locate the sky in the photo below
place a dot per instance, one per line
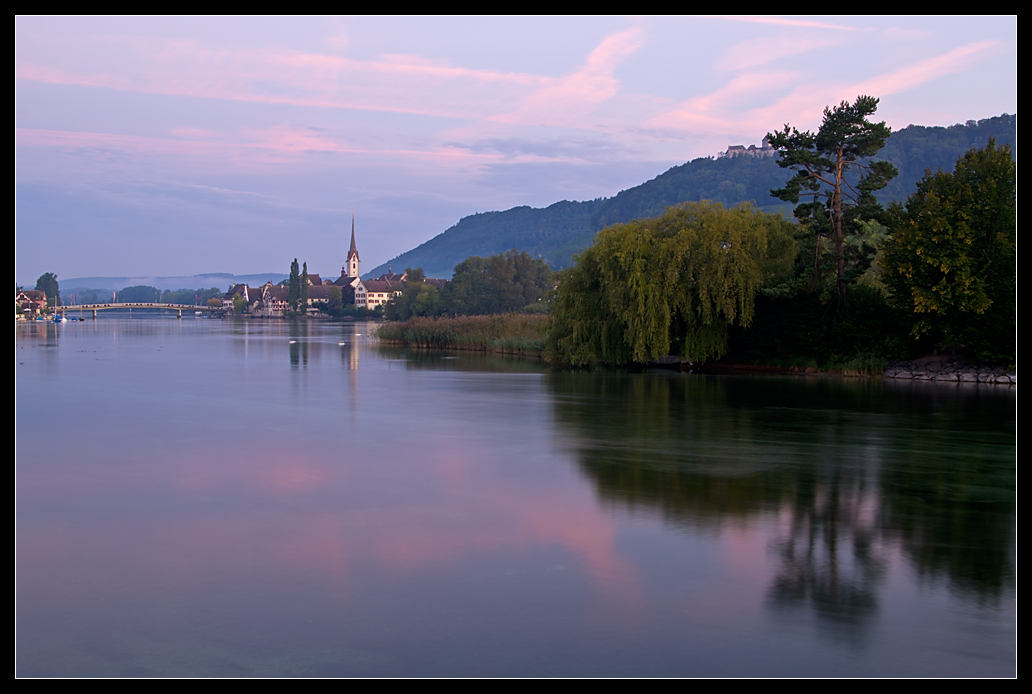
(175, 146)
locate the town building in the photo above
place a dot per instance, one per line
(31, 302)
(272, 301)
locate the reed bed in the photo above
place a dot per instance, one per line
(520, 334)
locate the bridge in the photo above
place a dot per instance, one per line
(178, 308)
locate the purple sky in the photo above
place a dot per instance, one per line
(177, 146)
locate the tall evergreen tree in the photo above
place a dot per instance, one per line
(831, 169)
(294, 293)
(303, 298)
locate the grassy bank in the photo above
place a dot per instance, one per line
(521, 334)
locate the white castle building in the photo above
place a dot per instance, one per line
(764, 150)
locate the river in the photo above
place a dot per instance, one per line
(242, 498)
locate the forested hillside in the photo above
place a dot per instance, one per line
(558, 231)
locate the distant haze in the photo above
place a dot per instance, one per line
(217, 279)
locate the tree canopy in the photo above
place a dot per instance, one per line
(833, 169)
(951, 258)
(139, 293)
(47, 282)
(668, 285)
(501, 283)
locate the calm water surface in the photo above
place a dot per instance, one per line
(224, 498)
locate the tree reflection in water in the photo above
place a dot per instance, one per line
(843, 472)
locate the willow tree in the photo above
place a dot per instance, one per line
(668, 285)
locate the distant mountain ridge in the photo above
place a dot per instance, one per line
(562, 229)
(208, 279)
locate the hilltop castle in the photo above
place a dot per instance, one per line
(764, 150)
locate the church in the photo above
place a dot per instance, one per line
(368, 293)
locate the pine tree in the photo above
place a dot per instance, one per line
(830, 169)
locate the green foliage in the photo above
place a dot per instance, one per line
(479, 286)
(187, 296)
(824, 163)
(303, 294)
(239, 304)
(801, 330)
(668, 285)
(294, 295)
(951, 259)
(509, 334)
(916, 149)
(138, 294)
(335, 301)
(47, 282)
(501, 283)
(417, 299)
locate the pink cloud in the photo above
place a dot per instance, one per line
(803, 105)
(566, 100)
(760, 51)
(413, 85)
(397, 83)
(923, 71)
(715, 112)
(786, 21)
(249, 146)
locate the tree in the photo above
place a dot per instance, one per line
(138, 294)
(335, 302)
(668, 285)
(501, 283)
(47, 282)
(417, 299)
(294, 295)
(831, 170)
(951, 258)
(303, 298)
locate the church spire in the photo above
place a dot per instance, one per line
(354, 248)
(351, 266)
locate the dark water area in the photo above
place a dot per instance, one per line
(219, 498)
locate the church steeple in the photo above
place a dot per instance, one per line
(351, 268)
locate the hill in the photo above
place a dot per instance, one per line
(558, 231)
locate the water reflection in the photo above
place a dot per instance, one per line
(239, 497)
(839, 472)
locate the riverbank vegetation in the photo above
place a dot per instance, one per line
(705, 283)
(670, 285)
(515, 333)
(502, 283)
(848, 287)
